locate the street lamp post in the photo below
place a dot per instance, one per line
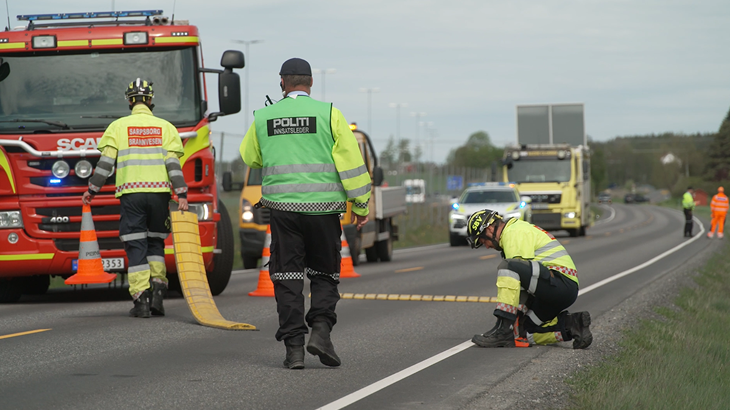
(246, 43)
(397, 107)
(370, 91)
(323, 71)
(418, 116)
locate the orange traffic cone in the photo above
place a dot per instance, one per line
(346, 268)
(266, 286)
(90, 269)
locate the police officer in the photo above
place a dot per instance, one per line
(311, 166)
(146, 150)
(688, 205)
(536, 283)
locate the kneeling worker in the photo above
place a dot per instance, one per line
(538, 268)
(146, 150)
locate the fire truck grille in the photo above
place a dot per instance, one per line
(72, 245)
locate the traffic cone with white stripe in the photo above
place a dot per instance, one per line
(265, 286)
(90, 268)
(347, 270)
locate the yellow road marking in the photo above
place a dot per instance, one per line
(30, 332)
(487, 257)
(409, 269)
(589, 237)
(417, 298)
(565, 242)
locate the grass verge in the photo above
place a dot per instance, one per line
(679, 361)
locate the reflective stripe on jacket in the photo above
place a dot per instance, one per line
(310, 158)
(526, 241)
(719, 203)
(142, 141)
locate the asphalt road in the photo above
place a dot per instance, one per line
(396, 354)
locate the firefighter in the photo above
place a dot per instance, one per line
(719, 207)
(312, 167)
(688, 205)
(146, 150)
(536, 283)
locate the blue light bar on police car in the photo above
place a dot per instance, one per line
(90, 15)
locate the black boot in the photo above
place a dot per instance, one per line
(578, 325)
(159, 291)
(321, 345)
(141, 305)
(501, 335)
(294, 357)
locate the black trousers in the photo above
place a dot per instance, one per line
(688, 222)
(553, 294)
(302, 245)
(143, 227)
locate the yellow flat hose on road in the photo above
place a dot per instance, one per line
(191, 271)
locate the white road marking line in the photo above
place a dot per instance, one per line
(610, 218)
(381, 384)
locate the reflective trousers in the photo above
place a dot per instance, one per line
(718, 222)
(546, 294)
(143, 227)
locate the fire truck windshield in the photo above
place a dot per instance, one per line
(86, 91)
(540, 170)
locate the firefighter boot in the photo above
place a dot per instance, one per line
(159, 291)
(294, 357)
(141, 305)
(320, 344)
(578, 325)
(501, 335)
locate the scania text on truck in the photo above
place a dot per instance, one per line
(62, 82)
(376, 237)
(551, 164)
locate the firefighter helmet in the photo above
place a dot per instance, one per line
(139, 88)
(477, 224)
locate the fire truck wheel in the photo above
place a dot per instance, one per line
(10, 291)
(35, 285)
(222, 262)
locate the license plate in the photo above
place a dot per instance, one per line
(109, 264)
(539, 206)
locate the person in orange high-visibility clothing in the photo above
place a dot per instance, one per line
(719, 207)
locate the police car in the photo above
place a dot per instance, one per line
(498, 196)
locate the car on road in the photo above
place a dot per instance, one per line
(604, 198)
(498, 196)
(635, 198)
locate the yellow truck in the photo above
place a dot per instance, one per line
(375, 238)
(551, 164)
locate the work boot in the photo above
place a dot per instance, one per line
(578, 325)
(720, 235)
(501, 335)
(141, 305)
(294, 357)
(711, 234)
(321, 345)
(159, 291)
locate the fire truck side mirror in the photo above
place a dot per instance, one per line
(4, 70)
(232, 59)
(229, 92)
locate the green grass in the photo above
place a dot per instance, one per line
(423, 225)
(677, 362)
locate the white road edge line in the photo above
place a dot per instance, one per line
(610, 218)
(381, 384)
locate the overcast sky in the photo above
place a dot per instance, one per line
(640, 67)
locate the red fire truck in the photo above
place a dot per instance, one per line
(62, 82)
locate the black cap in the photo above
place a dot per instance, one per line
(295, 66)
